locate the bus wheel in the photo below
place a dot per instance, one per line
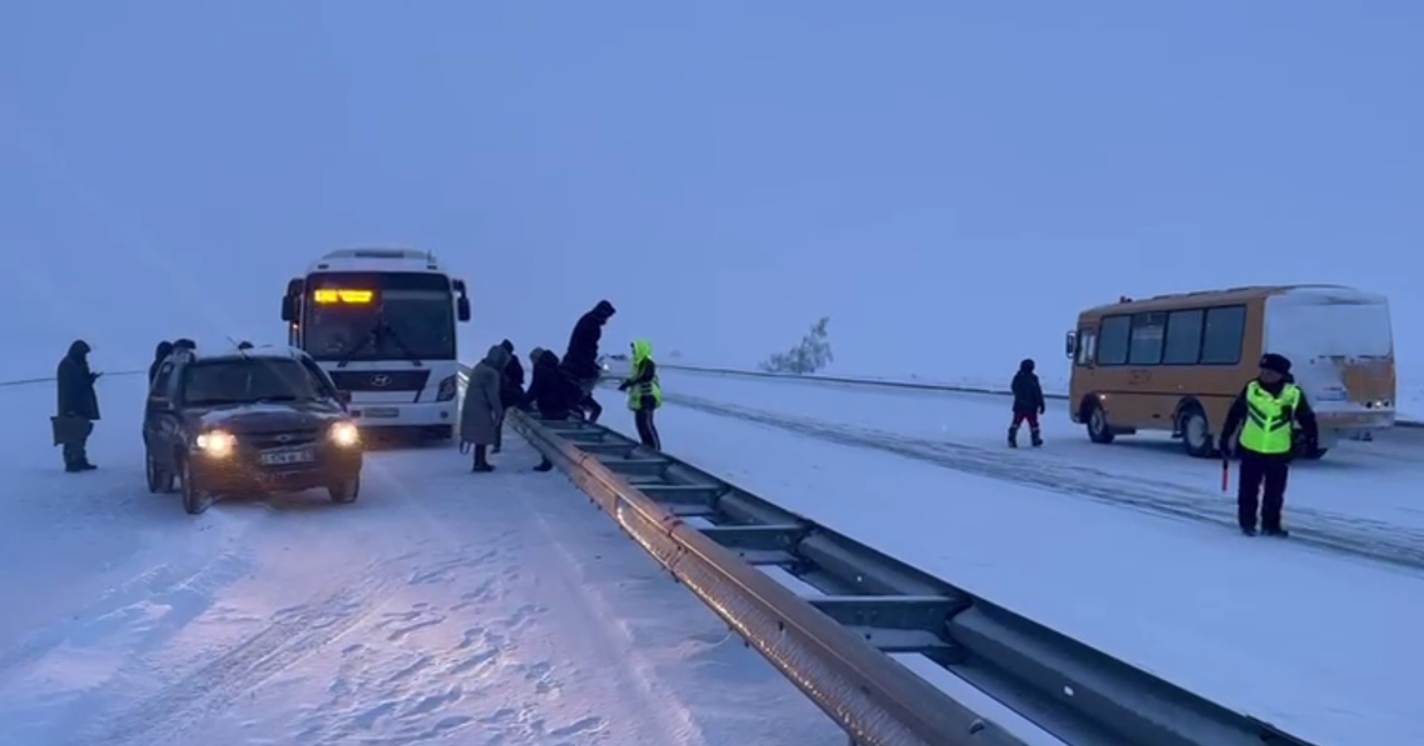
(1098, 430)
(1196, 433)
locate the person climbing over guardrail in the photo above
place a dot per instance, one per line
(511, 391)
(581, 359)
(552, 392)
(1028, 404)
(645, 393)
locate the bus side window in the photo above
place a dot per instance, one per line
(1184, 337)
(1087, 346)
(1113, 335)
(1148, 331)
(1224, 335)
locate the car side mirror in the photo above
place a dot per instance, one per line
(343, 396)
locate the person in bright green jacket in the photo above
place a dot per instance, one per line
(645, 393)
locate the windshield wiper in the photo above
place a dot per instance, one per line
(366, 341)
(400, 343)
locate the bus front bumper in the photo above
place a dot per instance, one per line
(415, 414)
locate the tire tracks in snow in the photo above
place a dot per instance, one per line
(186, 584)
(293, 633)
(1357, 537)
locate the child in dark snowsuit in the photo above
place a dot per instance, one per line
(1028, 404)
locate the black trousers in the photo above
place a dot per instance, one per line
(647, 428)
(1264, 475)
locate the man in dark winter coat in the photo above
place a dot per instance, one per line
(1265, 413)
(1028, 404)
(552, 392)
(165, 348)
(78, 406)
(581, 360)
(511, 391)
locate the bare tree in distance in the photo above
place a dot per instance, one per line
(810, 356)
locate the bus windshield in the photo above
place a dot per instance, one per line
(379, 316)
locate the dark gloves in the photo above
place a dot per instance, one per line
(1043, 409)
(625, 385)
(94, 377)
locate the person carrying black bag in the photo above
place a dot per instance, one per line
(77, 407)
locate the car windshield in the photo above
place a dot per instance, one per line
(248, 381)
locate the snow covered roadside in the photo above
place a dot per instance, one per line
(481, 609)
(1409, 407)
(1241, 621)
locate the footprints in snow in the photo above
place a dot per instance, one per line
(411, 681)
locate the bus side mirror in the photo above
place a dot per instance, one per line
(462, 308)
(289, 312)
(1070, 344)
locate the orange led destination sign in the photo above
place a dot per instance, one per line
(332, 295)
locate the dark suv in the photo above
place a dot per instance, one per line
(255, 420)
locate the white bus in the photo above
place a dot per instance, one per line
(382, 323)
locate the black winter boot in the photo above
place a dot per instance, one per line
(482, 463)
(544, 465)
(1013, 437)
(1037, 437)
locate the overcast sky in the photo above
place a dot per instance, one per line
(950, 181)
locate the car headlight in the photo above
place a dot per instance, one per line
(447, 389)
(345, 434)
(216, 443)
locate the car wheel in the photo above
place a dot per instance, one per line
(1196, 432)
(152, 472)
(346, 490)
(195, 499)
(1098, 430)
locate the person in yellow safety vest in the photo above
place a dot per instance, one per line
(1266, 412)
(645, 393)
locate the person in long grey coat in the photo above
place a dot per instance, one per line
(482, 413)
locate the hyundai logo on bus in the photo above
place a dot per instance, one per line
(381, 381)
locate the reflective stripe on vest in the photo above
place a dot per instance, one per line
(1268, 419)
(637, 391)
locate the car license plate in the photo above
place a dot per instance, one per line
(282, 458)
(381, 412)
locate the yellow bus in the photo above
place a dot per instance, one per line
(1174, 363)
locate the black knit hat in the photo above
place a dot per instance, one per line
(1276, 363)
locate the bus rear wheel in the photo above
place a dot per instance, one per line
(1196, 431)
(1097, 419)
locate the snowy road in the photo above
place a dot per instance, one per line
(1356, 501)
(442, 606)
(1321, 644)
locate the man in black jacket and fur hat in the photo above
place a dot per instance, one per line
(581, 360)
(77, 406)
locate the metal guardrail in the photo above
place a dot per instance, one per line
(835, 647)
(894, 384)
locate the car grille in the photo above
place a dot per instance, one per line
(286, 439)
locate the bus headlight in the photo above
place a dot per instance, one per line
(447, 389)
(216, 443)
(345, 434)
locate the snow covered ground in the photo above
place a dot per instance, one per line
(1352, 499)
(1410, 390)
(1320, 643)
(441, 607)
